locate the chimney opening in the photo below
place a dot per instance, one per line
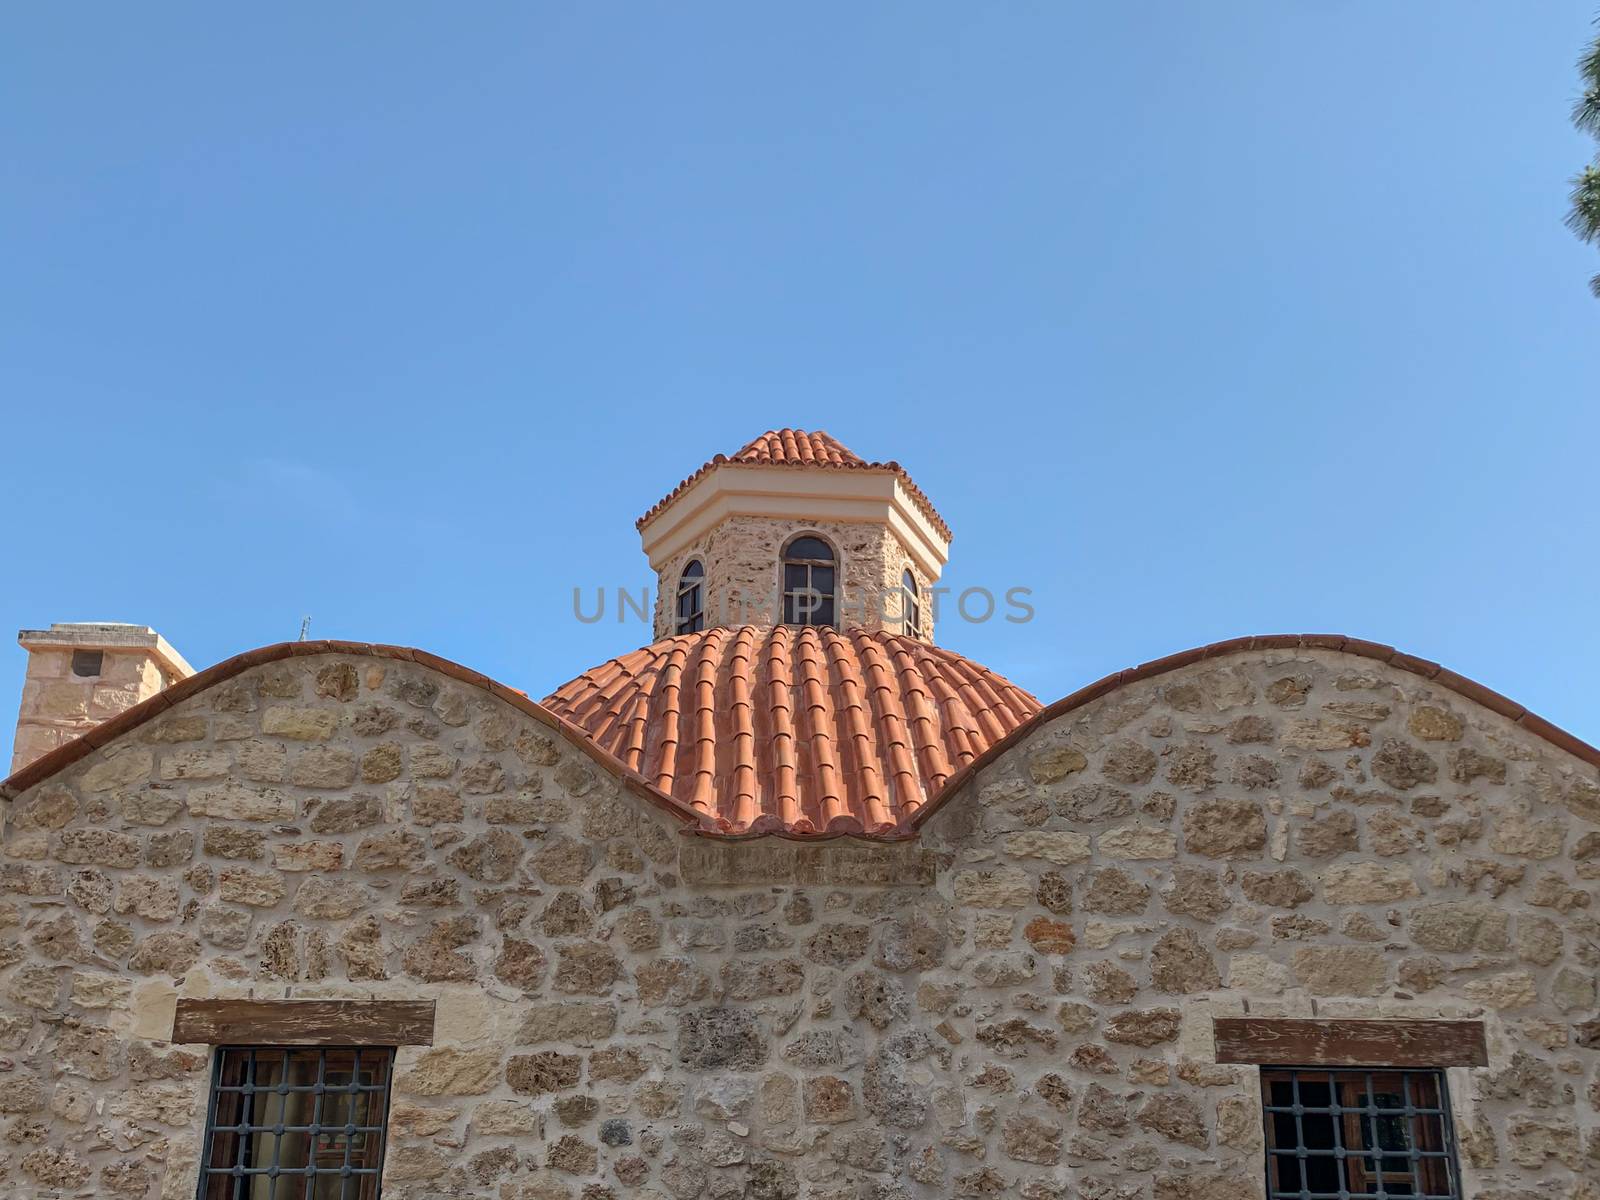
(87, 662)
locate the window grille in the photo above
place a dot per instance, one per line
(808, 582)
(296, 1124)
(691, 615)
(1342, 1135)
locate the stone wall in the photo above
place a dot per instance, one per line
(741, 556)
(1017, 1004)
(1284, 834)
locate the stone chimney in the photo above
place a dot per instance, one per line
(80, 674)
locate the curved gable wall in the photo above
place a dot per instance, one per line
(1288, 832)
(1016, 1003)
(1441, 677)
(108, 732)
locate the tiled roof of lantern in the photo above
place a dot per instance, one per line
(797, 446)
(800, 731)
(806, 449)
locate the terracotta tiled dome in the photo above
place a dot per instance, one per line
(803, 730)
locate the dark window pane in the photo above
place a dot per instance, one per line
(689, 618)
(808, 584)
(809, 547)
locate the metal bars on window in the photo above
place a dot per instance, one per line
(296, 1124)
(1353, 1134)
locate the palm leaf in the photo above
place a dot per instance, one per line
(1589, 64)
(1586, 111)
(1584, 218)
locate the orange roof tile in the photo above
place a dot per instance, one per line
(794, 730)
(801, 448)
(786, 446)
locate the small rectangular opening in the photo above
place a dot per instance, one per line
(87, 662)
(1343, 1135)
(292, 1123)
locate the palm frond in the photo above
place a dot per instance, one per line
(1589, 64)
(1586, 110)
(1584, 218)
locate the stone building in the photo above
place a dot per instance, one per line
(803, 907)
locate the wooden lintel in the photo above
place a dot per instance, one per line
(1289, 1042)
(304, 1022)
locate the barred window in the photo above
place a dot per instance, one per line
(1338, 1135)
(300, 1123)
(691, 613)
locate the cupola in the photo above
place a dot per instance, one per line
(794, 529)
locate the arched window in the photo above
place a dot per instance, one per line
(808, 582)
(910, 606)
(691, 613)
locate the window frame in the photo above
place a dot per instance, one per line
(824, 612)
(240, 1177)
(910, 604)
(1355, 1165)
(1388, 1045)
(690, 585)
(290, 1025)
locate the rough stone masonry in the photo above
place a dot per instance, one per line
(1017, 1003)
(742, 556)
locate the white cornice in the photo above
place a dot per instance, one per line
(784, 493)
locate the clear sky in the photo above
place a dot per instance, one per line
(1199, 320)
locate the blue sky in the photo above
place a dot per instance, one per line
(1197, 319)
